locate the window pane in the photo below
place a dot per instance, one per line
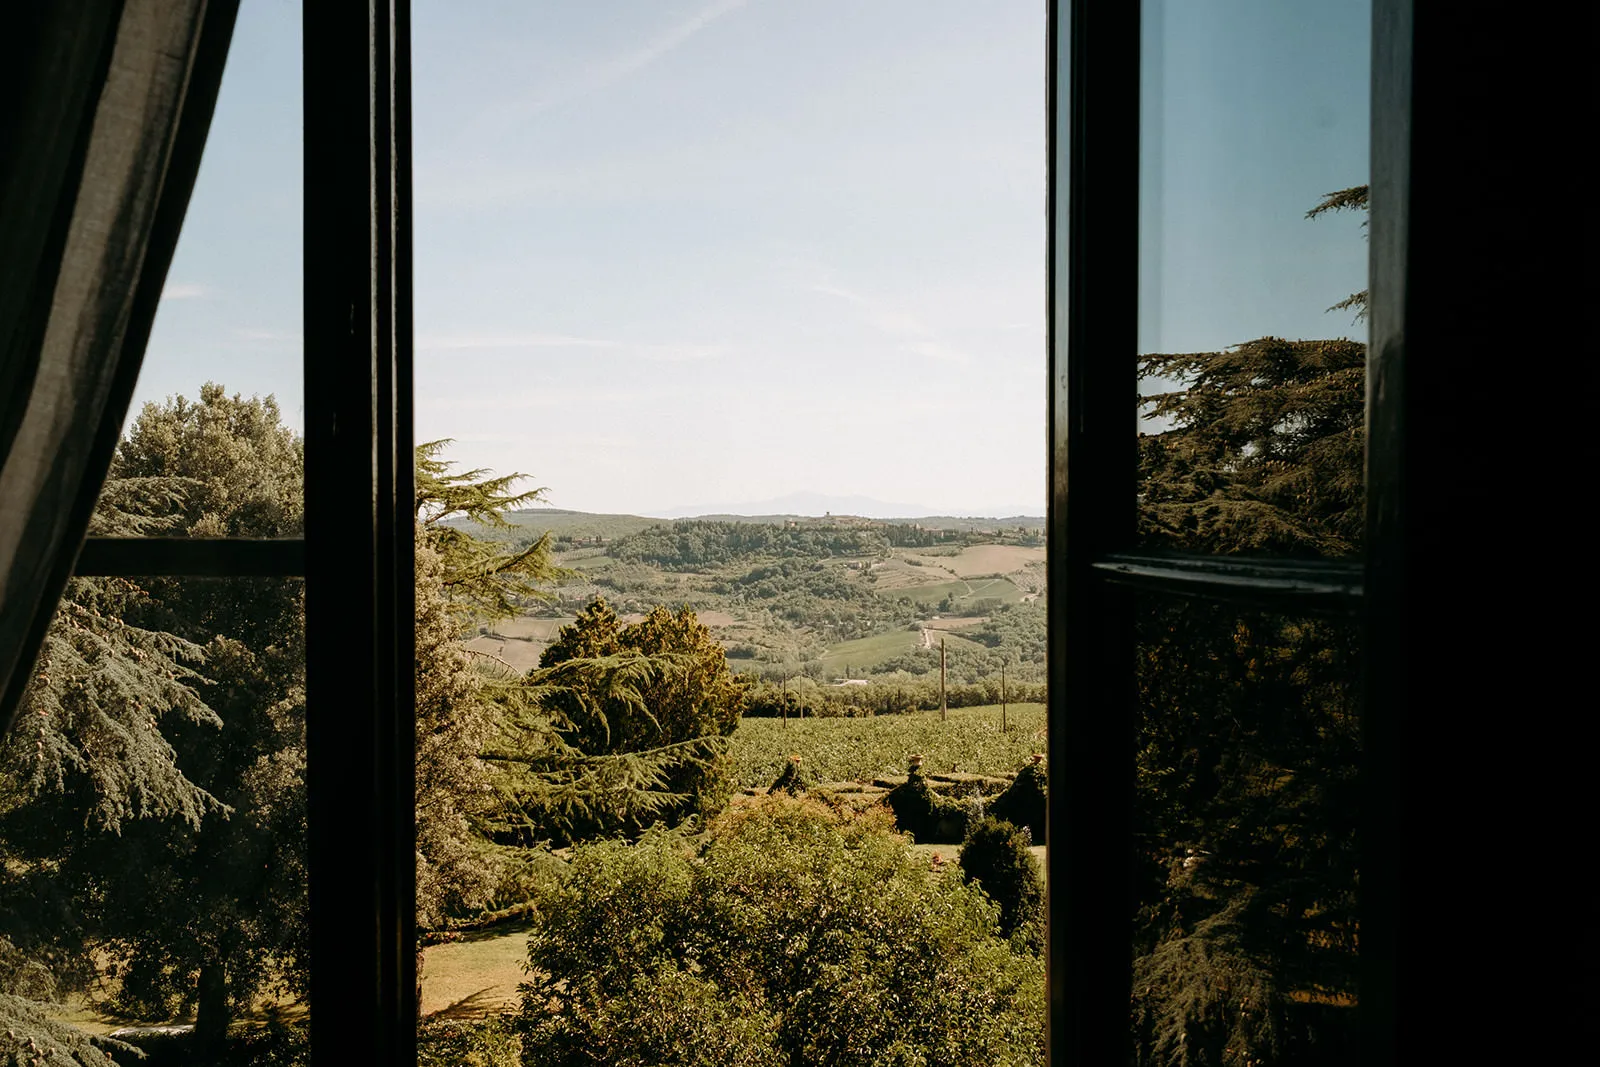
(1247, 753)
(152, 825)
(1252, 280)
(229, 320)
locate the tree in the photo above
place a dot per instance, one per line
(168, 766)
(793, 934)
(653, 702)
(461, 708)
(478, 577)
(1266, 445)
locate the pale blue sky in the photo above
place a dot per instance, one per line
(704, 251)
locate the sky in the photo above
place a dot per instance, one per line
(700, 252)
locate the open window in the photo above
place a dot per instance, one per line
(1380, 649)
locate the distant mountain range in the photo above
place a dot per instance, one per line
(818, 504)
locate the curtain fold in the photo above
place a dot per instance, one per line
(110, 104)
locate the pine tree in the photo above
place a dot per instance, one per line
(160, 814)
(635, 723)
(479, 577)
(461, 697)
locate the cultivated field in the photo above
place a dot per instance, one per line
(867, 652)
(517, 642)
(978, 560)
(839, 750)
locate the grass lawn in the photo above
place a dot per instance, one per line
(850, 749)
(475, 976)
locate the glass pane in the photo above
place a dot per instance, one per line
(152, 827)
(229, 321)
(756, 290)
(1245, 817)
(1252, 280)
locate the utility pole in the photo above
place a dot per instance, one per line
(1002, 697)
(942, 709)
(785, 702)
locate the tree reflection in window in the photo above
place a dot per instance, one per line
(1263, 454)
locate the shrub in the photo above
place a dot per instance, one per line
(1023, 803)
(928, 817)
(996, 858)
(791, 779)
(490, 1042)
(795, 935)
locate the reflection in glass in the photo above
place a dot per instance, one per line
(1253, 133)
(152, 822)
(1248, 742)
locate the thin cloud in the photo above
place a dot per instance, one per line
(914, 335)
(184, 291)
(608, 72)
(659, 352)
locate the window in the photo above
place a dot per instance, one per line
(1454, 300)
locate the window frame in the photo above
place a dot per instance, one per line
(1094, 562)
(358, 553)
(1431, 99)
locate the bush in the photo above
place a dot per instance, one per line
(928, 817)
(490, 1042)
(996, 858)
(1023, 802)
(791, 779)
(794, 935)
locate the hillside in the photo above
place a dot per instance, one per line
(830, 597)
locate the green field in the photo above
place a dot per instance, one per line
(836, 750)
(1001, 589)
(867, 652)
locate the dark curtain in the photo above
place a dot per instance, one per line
(107, 108)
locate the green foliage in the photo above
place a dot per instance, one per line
(827, 598)
(478, 575)
(155, 814)
(791, 780)
(1024, 801)
(793, 935)
(1204, 998)
(236, 467)
(456, 723)
(490, 1042)
(653, 701)
(924, 814)
(1247, 731)
(995, 856)
(30, 1038)
(844, 750)
(694, 543)
(1266, 451)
